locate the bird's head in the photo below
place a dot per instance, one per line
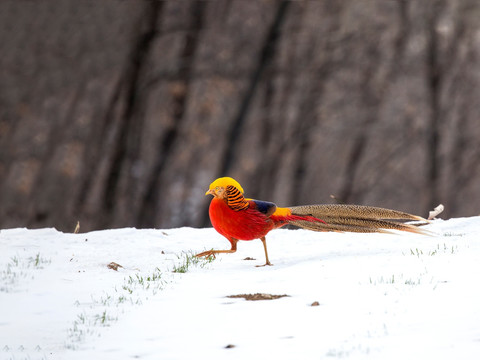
(217, 188)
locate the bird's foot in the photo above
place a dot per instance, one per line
(267, 263)
(207, 254)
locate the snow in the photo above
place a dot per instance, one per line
(380, 296)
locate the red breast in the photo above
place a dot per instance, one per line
(245, 224)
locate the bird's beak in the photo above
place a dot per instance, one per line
(209, 192)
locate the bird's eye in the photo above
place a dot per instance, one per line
(217, 188)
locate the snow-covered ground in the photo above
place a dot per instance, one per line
(402, 296)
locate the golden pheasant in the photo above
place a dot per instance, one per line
(238, 218)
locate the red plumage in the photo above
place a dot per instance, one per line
(247, 224)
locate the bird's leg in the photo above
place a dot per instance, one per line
(212, 252)
(267, 262)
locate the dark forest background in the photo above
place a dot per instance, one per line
(120, 113)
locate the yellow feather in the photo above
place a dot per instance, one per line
(282, 212)
(224, 182)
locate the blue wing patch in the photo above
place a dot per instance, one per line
(268, 208)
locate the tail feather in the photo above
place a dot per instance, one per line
(354, 218)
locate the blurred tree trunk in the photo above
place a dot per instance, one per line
(120, 113)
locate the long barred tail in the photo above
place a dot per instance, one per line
(352, 218)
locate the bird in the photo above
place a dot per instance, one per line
(239, 218)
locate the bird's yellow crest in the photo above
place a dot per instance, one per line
(224, 182)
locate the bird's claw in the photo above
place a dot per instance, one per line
(267, 263)
(208, 254)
